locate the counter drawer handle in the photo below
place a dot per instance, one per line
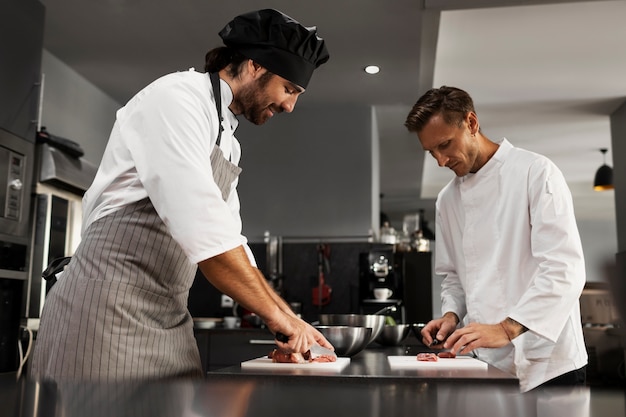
(262, 342)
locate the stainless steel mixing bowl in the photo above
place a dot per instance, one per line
(392, 335)
(347, 340)
(375, 322)
(417, 330)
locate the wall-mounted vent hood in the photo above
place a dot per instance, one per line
(61, 170)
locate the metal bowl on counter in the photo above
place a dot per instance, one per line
(392, 335)
(347, 340)
(417, 330)
(374, 322)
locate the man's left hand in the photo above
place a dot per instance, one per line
(476, 335)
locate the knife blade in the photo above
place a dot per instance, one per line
(316, 350)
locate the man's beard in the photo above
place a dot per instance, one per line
(254, 102)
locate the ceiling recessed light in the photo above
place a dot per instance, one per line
(372, 69)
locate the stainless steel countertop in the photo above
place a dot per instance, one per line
(303, 397)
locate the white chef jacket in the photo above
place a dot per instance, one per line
(508, 245)
(160, 147)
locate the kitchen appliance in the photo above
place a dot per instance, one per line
(10, 299)
(61, 179)
(603, 333)
(596, 305)
(378, 269)
(16, 161)
(21, 42)
(407, 274)
(417, 285)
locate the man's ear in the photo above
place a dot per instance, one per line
(255, 69)
(472, 123)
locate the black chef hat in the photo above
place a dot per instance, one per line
(277, 42)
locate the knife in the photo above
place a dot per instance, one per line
(316, 350)
(434, 342)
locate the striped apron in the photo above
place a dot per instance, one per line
(119, 311)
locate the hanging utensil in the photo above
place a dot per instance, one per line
(321, 293)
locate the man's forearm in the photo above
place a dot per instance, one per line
(512, 328)
(275, 296)
(232, 273)
(449, 315)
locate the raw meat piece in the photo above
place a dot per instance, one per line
(427, 357)
(446, 355)
(324, 358)
(279, 356)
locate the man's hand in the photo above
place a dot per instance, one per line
(232, 274)
(436, 331)
(301, 335)
(476, 335)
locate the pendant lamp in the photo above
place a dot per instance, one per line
(604, 176)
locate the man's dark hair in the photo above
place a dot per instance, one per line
(219, 58)
(451, 102)
(225, 57)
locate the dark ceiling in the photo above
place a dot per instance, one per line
(122, 45)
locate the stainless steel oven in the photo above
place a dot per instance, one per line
(57, 220)
(61, 180)
(16, 155)
(16, 164)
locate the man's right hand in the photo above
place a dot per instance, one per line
(301, 335)
(438, 330)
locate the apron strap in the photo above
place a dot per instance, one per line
(56, 266)
(215, 83)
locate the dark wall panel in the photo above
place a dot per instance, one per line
(21, 46)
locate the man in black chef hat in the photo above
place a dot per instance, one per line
(265, 44)
(164, 203)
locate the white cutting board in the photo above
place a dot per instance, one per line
(411, 362)
(267, 364)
